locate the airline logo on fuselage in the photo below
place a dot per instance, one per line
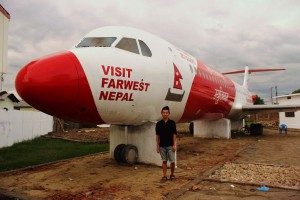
(176, 94)
(220, 96)
(119, 78)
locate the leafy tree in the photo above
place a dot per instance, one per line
(296, 91)
(258, 100)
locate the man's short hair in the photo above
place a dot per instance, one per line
(165, 108)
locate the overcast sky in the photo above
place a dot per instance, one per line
(226, 35)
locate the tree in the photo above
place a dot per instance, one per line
(296, 91)
(258, 100)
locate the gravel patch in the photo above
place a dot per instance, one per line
(260, 174)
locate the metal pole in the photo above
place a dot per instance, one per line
(271, 95)
(276, 94)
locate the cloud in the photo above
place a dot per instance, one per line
(226, 35)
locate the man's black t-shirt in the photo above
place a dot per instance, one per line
(165, 132)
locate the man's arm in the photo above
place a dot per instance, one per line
(157, 143)
(174, 142)
(174, 137)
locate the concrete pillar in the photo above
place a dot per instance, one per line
(143, 137)
(237, 124)
(220, 128)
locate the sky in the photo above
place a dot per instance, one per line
(225, 34)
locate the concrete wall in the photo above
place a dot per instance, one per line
(220, 128)
(17, 126)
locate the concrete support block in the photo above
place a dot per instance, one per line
(220, 128)
(237, 124)
(143, 137)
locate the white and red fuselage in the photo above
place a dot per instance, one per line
(121, 75)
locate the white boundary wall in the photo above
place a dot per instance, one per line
(17, 126)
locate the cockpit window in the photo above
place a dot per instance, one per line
(97, 42)
(145, 49)
(128, 44)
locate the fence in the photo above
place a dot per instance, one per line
(17, 126)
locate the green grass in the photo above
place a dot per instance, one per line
(44, 150)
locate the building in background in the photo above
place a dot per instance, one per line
(18, 120)
(7, 101)
(291, 119)
(4, 20)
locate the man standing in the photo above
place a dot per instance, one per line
(166, 142)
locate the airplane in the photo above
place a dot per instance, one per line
(124, 76)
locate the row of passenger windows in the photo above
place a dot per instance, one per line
(127, 44)
(212, 78)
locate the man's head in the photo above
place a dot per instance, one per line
(165, 112)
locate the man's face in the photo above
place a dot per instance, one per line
(165, 114)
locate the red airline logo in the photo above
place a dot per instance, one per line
(172, 94)
(177, 77)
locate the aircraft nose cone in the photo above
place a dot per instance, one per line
(48, 82)
(57, 85)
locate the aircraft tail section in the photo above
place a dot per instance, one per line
(246, 77)
(248, 71)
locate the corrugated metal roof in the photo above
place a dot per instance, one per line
(17, 103)
(287, 95)
(21, 104)
(5, 13)
(11, 96)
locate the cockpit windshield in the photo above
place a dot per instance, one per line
(130, 44)
(96, 42)
(127, 44)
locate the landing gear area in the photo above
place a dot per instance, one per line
(245, 130)
(132, 144)
(126, 154)
(191, 128)
(254, 129)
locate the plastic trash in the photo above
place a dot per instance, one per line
(263, 188)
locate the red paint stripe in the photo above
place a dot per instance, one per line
(201, 101)
(5, 13)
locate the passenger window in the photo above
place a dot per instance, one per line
(128, 44)
(97, 42)
(145, 49)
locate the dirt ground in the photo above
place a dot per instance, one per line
(205, 170)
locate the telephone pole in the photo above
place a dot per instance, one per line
(276, 94)
(1, 80)
(271, 95)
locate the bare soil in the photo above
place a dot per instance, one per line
(200, 165)
(83, 135)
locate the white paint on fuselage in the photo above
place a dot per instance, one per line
(242, 97)
(137, 105)
(157, 71)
